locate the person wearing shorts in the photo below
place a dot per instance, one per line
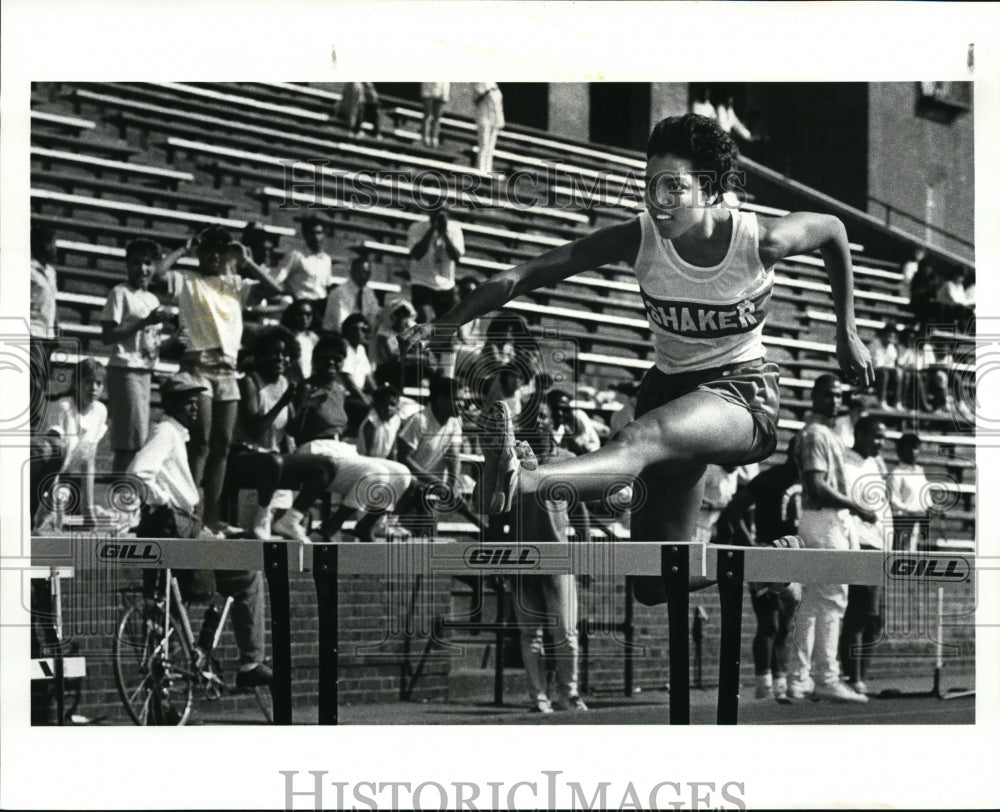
(436, 245)
(130, 322)
(435, 97)
(211, 302)
(705, 272)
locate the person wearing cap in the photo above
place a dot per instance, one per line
(131, 323)
(169, 510)
(211, 301)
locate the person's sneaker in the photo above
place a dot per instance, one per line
(496, 487)
(838, 692)
(800, 690)
(208, 533)
(542, 705)
(262, 523)
(254, 678)
(860, 687)
(781, 690)
(289, 526)
(764, 686)
(573, 703)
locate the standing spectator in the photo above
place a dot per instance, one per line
(358, 104)
(308, 274)
(907, 489)
(436, 245)
(885, 357)
(909, 270)
(435, 97)
(825, 524)
(130, 321)
(42, 315)
(923, 292)
(702, 104)
(299, 318)
(731, 124)
(380, 429)
(80, 420)
(352, 296)
(910, 383)
(263, 247)
(169, 511)
(429, 445)
(211, 302)
(368, 483)
(934, 359)
(261, 456)
(775, 497)
(489, 121)
(865, 473)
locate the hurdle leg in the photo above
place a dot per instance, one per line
(276, 571)
(674, 568)
(325, 573)
(730, 577)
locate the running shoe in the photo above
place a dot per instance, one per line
(542, 705)
(289, 526)
(262, 523)
(838, 692)
(498, 484)
(781, 690)
(573, 703)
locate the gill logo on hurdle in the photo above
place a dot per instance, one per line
(905, 567)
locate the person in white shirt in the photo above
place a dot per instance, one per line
(377, 437)
(885, 356)
(909, 496)
(352, 296)
(489, 121)
(80, 421)
(131, 322)
(865, 475)
(730, 122)
(308, 274)
(572, 429)
(299, 318)
(169, 506)
(702, 104)
(435, 97)
(436, 245)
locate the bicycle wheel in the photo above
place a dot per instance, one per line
(154, 679)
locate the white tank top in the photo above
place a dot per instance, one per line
(704, 317)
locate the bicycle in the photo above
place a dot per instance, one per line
(158, 661)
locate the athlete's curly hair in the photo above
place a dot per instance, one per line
(702, 141)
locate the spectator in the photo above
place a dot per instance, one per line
(909, 271)
(263, 247)
(572, 429)
(436, 246)
(211, 302)
(775, 499)
(358, 104)
(509, 385)
(396, 316)
(953, 305)
(435, 97)
(910, 383)
(131, 321)
(884, 352)
(429, 446)
(720, 487)
(923, 292)
(907, 495)
(42, 317)
(319, 426)
(308, 274)
(489, 122)
(352, 296)
(169, 511)
(79, 421)
(358, 369)
(731, 124)
(865, 476)
(825, 523)
(934, 359)
(380, 429)
(299, 318)
(702, 104)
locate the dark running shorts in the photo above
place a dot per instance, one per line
(752, 385)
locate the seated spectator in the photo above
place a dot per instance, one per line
(883, 349)
(429, 445)
(365, 483)
(909, 270)
(435, 97)
(350, 297)
(358, 104)
(377, 437)
(935, 360)
(169, 511)
(299, 318)
(436, 246)
(260, 457)
(358, 369)
(572, 429)
(80, 420)
(308, 274)
(953, 306)
(131, 322)
(908, 496)
(923, 292)
(396, 316)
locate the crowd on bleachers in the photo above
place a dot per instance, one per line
(302, 385)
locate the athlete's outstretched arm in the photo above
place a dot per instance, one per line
(617, 243)
(802, 232)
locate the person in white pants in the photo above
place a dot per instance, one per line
(825, 524)
(489, 121)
